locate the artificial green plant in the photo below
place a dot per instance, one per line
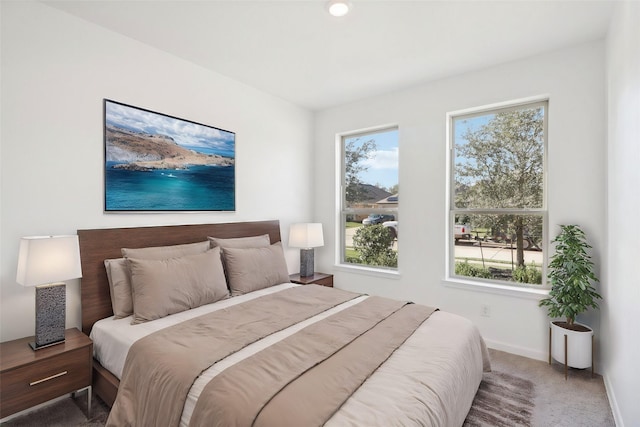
(571, 274)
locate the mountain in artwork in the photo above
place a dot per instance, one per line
(140, 151)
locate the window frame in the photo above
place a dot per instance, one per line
(342, 211)
(451, 210)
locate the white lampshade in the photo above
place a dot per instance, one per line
(306, 235)
(48, 259)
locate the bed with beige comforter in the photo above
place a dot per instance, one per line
(299, 356)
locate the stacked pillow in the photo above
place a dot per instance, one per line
(120, 279)
(154, 282)
(252, 263)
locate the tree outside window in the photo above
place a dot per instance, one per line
(497, 194)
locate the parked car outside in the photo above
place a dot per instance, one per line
(377, 219)
(392, 226)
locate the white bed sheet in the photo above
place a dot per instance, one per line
(445, 358)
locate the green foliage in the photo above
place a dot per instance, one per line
(500, 165)
(571, 273)
(470, 270)
(374, 246)
(355, 153)
(504, 167)
(528, 274)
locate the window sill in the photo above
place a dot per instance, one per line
(493, 288)
(376, 272)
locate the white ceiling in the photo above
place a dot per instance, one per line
(295, 50)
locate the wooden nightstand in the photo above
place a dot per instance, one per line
(316, 279)
(28, 378)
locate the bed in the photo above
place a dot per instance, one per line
(407, 364)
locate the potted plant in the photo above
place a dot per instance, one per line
(571, 274)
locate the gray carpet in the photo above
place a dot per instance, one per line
(518, 392)
(549, 399)
(578, 401)
(69, 412)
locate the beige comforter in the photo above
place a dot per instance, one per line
(161, 367)
(430, 380)
(304, 379)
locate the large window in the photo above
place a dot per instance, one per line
(369, 199)
(497, 215)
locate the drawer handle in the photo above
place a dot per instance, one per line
(48, 378)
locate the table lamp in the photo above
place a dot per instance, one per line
(306, 236)
(44, 262)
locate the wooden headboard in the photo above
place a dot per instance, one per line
(100, 244)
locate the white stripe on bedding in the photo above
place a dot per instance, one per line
(112, 338)
(206, 376)
(430, 380)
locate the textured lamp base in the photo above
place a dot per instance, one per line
(50, 315)
(306, 262)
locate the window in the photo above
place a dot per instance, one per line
(497, 215)
(369, 199)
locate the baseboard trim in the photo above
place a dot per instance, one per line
(615, 410)
(520, 351)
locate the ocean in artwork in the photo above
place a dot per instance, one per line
(155, 162)
(198, 188)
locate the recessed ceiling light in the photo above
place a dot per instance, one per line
(338, 8)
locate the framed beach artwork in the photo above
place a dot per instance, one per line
(155, 162)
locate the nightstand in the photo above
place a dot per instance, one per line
(28, 377)
(316, 279)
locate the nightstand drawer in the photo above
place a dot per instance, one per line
(45, 379)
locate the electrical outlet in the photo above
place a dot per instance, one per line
(485, 310)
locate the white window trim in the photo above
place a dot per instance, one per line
(497, 288)
(340, 210)
(369, 271)
(487, 285)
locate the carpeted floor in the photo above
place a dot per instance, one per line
(518, 392)
(579, 401)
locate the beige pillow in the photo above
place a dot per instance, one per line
(166, 252)
(250, 269)
(163, 287)
(242, 242)
(119, 287)
(118, 271)
(262, 241)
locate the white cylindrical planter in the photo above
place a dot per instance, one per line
(579, 346)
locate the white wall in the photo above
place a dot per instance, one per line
(574, 81)
(56, 69)
(621, 351)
